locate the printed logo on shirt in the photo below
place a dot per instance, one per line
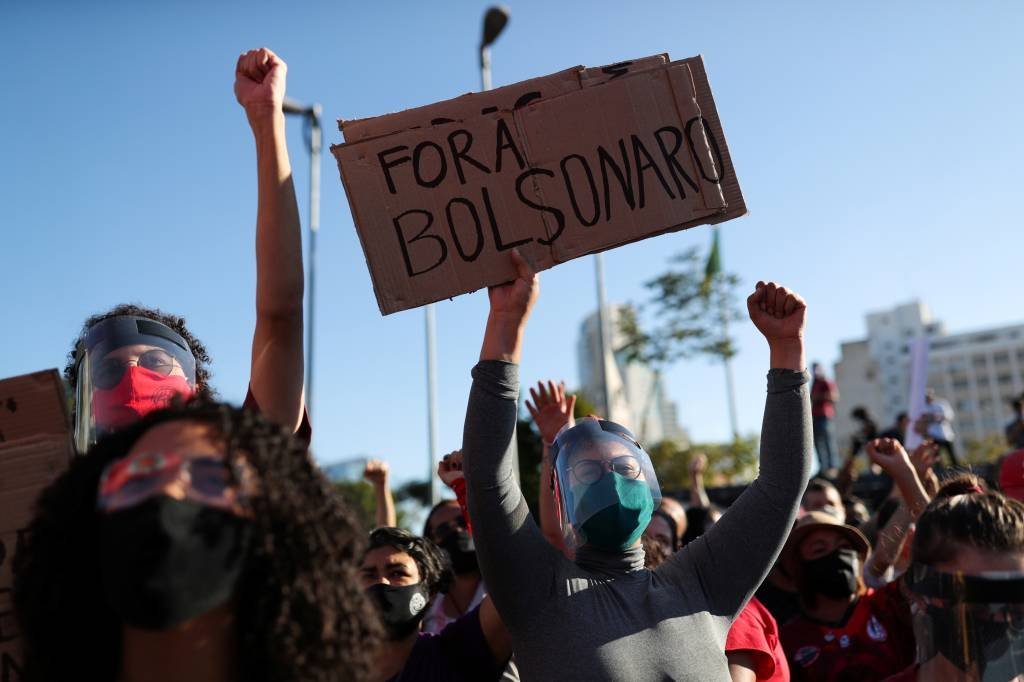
(876, 630)
(806, 655)
(417, 603)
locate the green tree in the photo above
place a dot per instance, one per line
(985, 450)
(728, 463)
(687, 314)
(363, 503)
(360, 499)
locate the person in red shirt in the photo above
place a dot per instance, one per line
(844, 631)
(753, 646)
(824, 396)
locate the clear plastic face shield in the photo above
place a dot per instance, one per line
(126, 368)
(604, 484)
(968, 627)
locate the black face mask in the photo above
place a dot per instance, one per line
(833, 575)
(985, 639)
(167, 561)
(401, 607)
(460, 547)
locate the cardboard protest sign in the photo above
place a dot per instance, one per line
(559, 167)
(35, 446)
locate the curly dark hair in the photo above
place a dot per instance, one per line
(431, 560)
(176, 323)
(300, 612)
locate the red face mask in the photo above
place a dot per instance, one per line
(139, 392)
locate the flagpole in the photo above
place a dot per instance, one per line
(711, 271)
(730, 388)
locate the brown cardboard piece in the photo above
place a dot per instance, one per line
(560, 166)
(35, 447)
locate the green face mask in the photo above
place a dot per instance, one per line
(624, 507)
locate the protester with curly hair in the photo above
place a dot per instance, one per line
(200, 543)
(403, 574)
(133, 359)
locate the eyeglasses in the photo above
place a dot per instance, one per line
(108, 372)
(591, 470)
(128, 482)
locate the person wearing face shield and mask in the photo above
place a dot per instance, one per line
(179, 548)
(132, 360)
(602, 615)
(402, 574)
(966, 586)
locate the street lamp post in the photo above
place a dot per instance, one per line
(494, 22)
(311, 113)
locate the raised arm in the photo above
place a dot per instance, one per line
(513, 555)
(891, 456)
(551, 410)
(698, 495)
(734, 556)
(376, 473)
(277, 374)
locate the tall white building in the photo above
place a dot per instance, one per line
(637, 398)
(977, 372)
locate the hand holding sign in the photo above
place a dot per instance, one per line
(260, 82)
(511, 304)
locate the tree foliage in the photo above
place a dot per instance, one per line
(686, 314)
(361, 499)
(728, 463)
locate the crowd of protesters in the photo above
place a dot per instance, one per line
(191, 540)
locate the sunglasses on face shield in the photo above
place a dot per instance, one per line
(208, 480)
(591, 470)
(107, 373)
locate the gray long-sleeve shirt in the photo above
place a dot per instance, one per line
(605, 617)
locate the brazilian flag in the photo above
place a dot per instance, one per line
(714, 264)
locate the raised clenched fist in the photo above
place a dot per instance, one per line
(777, 312)
(260, 81)
(449, 469)
(376, 472)
(890, 455)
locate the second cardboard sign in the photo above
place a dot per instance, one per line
(559, 167)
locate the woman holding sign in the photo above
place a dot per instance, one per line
(603, 616)
(132, 360)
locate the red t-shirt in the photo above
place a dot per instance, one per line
(908, 675)
(305, 431)
(755, 631)
(821, 400)
(875, 641)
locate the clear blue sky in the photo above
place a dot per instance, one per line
(878, 146)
